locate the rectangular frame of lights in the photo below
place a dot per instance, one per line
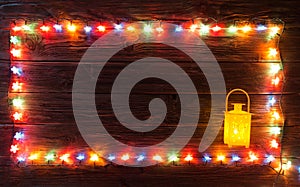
(239, 29)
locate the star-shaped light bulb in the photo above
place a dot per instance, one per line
(21, 159)
(26, 28)
(157, 158)
(188, 158)
(14, 40)
(16, 86)
(18, 103)
(147, 28)
(173, 158)
(101, 28)
(111, 157)
(232, 29)
(125, 157)
(235, 158)
(274, 144)
(50, 157)
(80, 157)
(273, 52)
(140, 158)
(275, 81)
(71, 28)
(94, 158)
(275, 115)
(16, 28)
(19, 135)
(15, 52)
(118, 27)
(275, 130)
(57, 27)
(178, 28)
(33, 156)
(275, 68)
(45, 28)
(270, 158)
(206, 158)
(159, 29)
(87, 29)
(204, 29)
(252, 157)
(246, 28)
(18, 116)
(216, 28)
(261, 28)
(193, 27)
(130, 28)
(14, 148)
(220, 157)
(16, 71)
(65, 157)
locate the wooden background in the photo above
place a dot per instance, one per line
(48, 94)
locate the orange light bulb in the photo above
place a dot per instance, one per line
(101, 28)
(16, 86)
(125, 157)
(188, 158)
(45, 28)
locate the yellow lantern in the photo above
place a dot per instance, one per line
(237, 123)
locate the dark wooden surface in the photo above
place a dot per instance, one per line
(49, 84)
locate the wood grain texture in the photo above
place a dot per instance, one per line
(49, 78)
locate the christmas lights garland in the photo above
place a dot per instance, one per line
(272, 29)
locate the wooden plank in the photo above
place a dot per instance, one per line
(152, 176)
(57, 107)
(59, 77)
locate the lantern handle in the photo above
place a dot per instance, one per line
(240, 90)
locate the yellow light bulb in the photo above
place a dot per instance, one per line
(273, 52)
(275, 68)
(246, 28)
(71, 28)
(94, 158)
(275, 115)
(274, 30)
(220, 157)
(33, 157)
(131, 28)
(193, 27)
(275, 81)
(173, 158)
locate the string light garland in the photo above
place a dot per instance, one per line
(204, 30)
